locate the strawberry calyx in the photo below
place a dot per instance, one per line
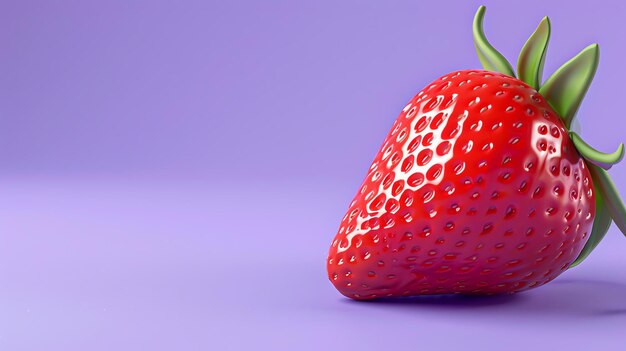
(600, 159)
(564, 90)
(533, 55)
(489, 57)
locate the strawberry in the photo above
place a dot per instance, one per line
(480, 187)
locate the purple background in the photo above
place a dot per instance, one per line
(172, 173)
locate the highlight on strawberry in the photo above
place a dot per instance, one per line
(481, 187)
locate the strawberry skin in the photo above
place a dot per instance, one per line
(477, 189)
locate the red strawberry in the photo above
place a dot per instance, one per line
(478, 187)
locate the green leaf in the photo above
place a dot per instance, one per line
(601, 224)
(594, 156)
(604, 185)
(533, 55)
(567, 87)
(489, 57)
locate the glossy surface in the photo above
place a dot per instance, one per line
(476, 189)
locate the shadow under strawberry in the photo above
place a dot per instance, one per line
(456, 300)
(564, 298)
